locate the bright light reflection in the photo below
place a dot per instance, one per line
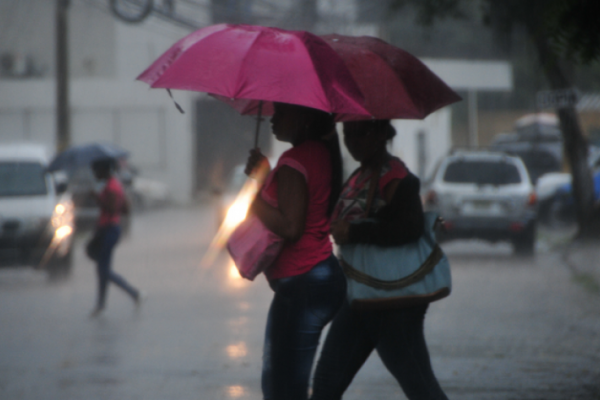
(233, 272)
(63, 232)
(62, 220)
(235, 214)
(236, 391)
(237, 350)
(234, 279)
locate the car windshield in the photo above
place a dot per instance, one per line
(22, 179)
(482, 173)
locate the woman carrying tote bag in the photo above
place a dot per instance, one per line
(306, 278)
(395, 218)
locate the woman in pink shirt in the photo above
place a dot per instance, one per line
(308, 282)
(112, 203)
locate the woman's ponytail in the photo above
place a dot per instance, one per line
(321, 126)
(332, 142)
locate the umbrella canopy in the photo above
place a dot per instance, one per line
(246, 64)
(395, 83)
(83, 155)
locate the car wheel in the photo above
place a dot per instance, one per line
(524, 243)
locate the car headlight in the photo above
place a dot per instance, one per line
(62, 219)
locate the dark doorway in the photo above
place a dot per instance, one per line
(223, 139)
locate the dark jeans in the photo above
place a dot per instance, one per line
(397, 335)
(111, 236)
(300, 309)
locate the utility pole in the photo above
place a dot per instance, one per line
(63, 112)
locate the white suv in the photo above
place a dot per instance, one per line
(485, 195)
(36, 214)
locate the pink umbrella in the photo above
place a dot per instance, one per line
(395, 83)
(246, 65)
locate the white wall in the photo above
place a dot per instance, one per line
(438, 140)
(126, 113)
(114, 107)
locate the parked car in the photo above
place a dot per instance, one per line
(36, 212)
(148, 193)
(485, 195)
(555, 194)
(537, 140)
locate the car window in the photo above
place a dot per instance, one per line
(482, 172)
(22, 179)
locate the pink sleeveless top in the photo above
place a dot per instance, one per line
(312, 160)
(106, 217)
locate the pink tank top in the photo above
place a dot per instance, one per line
(106, 217)
(312, 160)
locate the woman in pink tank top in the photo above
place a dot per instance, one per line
(308, 282)
(112, 202)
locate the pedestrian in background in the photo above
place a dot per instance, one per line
(112, 203)
(306, 277)
(395, 218)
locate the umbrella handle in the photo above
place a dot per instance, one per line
(176, 104)
(258, 119)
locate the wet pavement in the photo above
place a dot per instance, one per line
(513, 328)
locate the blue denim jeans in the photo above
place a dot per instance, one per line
(397, 335)
(111, 235)
(300, 309)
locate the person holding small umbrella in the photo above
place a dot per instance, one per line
(112, 202)
(306, 278)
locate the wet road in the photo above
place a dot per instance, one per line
(512, 329)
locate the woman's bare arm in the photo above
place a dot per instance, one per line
(289, 218)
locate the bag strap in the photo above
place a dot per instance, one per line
(355, 200)
(425, 268)
(373, 188)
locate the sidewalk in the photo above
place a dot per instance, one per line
(582, 258)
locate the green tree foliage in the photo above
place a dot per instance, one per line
(573, 27)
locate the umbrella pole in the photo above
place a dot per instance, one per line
(258, 119)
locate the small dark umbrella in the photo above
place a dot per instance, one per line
(83, 155)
